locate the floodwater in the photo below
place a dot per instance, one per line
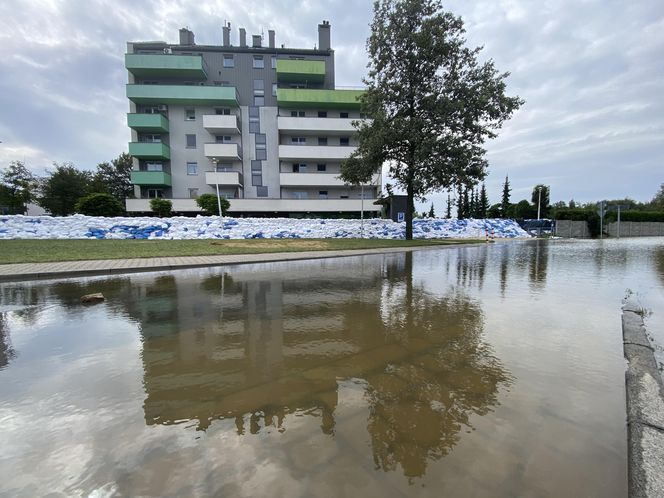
(490, 370)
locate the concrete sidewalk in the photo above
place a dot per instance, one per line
(645, 408)
(65, 269)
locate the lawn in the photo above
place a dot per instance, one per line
(42, 251)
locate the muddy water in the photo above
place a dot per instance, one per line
(481, 371)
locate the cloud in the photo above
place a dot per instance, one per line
(590, 73)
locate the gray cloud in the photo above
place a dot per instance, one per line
(591, 73)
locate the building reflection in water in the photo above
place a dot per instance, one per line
(254, 347)
(7, 353)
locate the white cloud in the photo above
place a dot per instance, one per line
(590, 73)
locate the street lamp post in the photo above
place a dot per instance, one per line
(216, 183)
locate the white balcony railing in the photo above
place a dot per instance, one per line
(220, 123)
(222, 151)
(313, 126)
(233, 178)
(325, 152)
(316, 180)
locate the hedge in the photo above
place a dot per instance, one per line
(612, 216)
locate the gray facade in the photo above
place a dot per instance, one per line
(198, 147)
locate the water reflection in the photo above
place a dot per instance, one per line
(376, 369)
(7, 353)
(255, 348)
(539, 262)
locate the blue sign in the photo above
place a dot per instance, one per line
(401, 216)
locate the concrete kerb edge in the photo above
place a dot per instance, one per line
(645, 408)
(266, 258)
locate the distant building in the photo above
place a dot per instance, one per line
(264, 125)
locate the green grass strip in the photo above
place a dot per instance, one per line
(43, 251)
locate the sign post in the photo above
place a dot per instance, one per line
(601, 209)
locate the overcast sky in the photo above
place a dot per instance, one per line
(591, 72)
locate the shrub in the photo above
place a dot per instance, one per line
(208, 203)
(634, 216)
(98, 204)
(577, 214)
(161, 207)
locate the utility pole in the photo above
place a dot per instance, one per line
(539, 201)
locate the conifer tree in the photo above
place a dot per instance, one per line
(483, 202)
(505, 203)
(448, 213)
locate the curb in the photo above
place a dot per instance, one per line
(645, 409)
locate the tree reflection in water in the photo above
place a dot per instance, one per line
(419, 406)
(255, 348)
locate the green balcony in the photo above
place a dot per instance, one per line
(187, 67)
(297, 71)
(318, 99)
(149, 150)
(151, 178)
(183, 95)
(148, 123)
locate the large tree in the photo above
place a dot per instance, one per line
(114, 178)
(432, 104)
(62, 188)
(19, 186)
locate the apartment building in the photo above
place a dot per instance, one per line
(261, 125)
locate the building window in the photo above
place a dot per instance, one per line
(322, 194)
(155, 193)
(223, 111)
(260, 138)
(256, 179)
(343, 197)
(259, 63)
(190, 115)
(259, 87)
(193, 193)
(254, 127)
(299, 168)
(154, 166)
(261, 154)
(300, 195)
(298, 140)
(344, 141)
(254, 112)
(229, 61)
(223, 139)
(150, 138)
(322, 114)
(297, 114)
(274, 89)
(321, 167)
(273, 62)
(190, 141)
(223, 167)
(261, 191)
(256, 166)
(343, 115)
(192, 168)
(258, 100)
(322, 140)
